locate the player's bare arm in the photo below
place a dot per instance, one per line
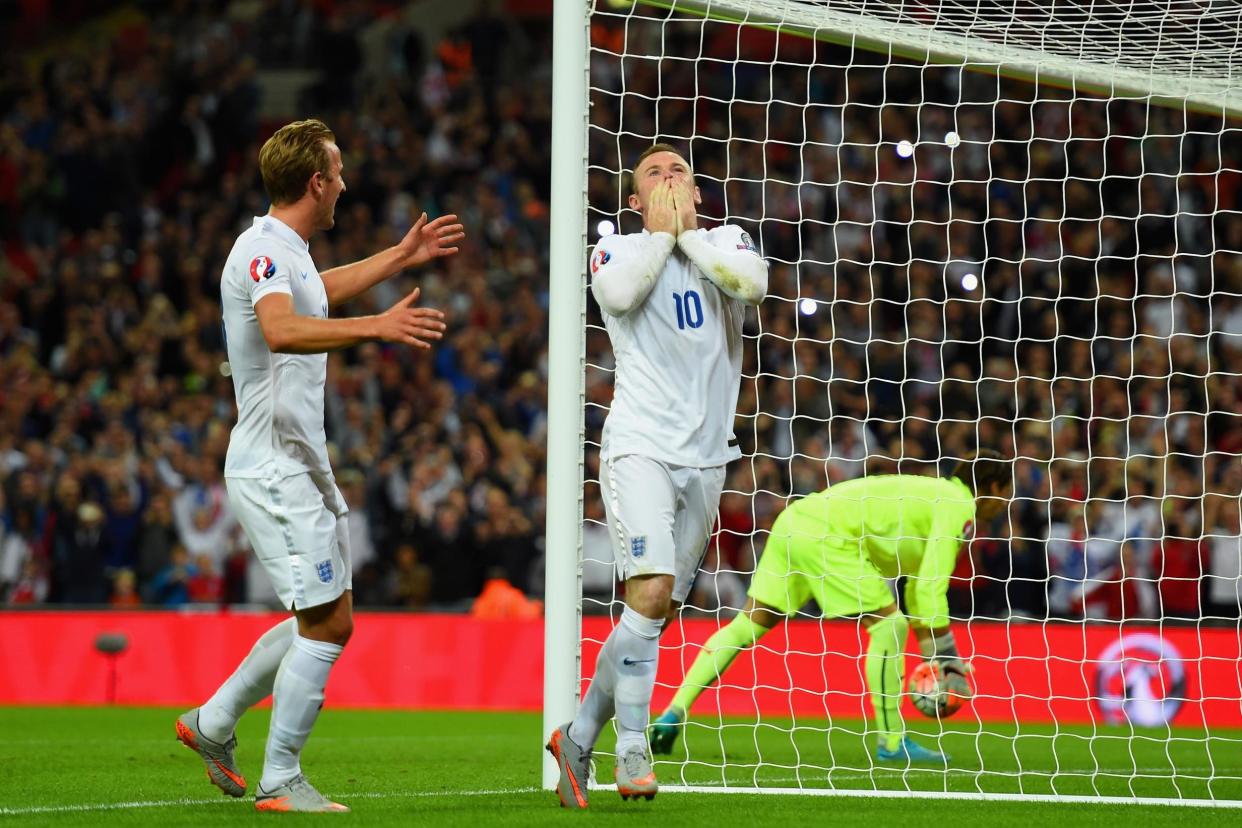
(742, 274)
(288, 332)
(425, 242)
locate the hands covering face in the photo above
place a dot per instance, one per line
(661, 211)
(683, 203)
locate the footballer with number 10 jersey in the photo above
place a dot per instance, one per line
(674, 298)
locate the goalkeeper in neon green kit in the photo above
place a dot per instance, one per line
(838, 546)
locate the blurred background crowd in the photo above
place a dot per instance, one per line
(1095, 341)
(128, 166)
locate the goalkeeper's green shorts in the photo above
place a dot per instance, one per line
(799, 563)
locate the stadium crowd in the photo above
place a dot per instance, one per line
(1097, 347)
(128, 163)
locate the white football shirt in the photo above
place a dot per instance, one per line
(678, 359)
(279, 429)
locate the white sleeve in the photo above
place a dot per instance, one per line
(728, 257)
(267, 269)
(624, 269)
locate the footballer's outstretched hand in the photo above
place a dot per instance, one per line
(430, 240)
(408, 325)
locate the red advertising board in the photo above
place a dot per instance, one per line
(1023, 672)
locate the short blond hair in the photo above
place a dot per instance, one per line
(632, 182)
(291, 156)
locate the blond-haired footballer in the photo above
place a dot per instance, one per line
(279, 481)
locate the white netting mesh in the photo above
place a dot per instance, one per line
(1182, 50)
(962, 259)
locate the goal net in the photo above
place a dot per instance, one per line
(1010, 225)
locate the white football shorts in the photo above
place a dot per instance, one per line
(299, 533)
(660, 516)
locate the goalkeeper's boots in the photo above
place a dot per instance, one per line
(296, 795)
(635, 777)
(222, 768)
(908, 751)
(575, 765)
(664, 731)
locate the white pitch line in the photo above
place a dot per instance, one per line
(1182, 774)
(111, 806)
(170, 803)
(959, 795)
(708, 789)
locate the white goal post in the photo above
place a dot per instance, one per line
(1069, 292)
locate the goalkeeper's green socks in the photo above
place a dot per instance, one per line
(715, 657)
(885, 672)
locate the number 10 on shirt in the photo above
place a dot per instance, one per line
(689, 309)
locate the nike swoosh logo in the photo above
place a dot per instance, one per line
(630, 662)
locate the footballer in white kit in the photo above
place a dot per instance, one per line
(674, 299)
(280, 483)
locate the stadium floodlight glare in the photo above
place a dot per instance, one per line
(1089, 143)
(605, 228)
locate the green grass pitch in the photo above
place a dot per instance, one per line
(122, 766)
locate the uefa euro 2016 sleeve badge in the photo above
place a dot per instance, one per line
(262, 267)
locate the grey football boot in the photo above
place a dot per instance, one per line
(222, 768)
(575, 765)
(296, 795)
(635, 777)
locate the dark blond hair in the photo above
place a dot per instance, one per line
(983, 469)
(291, 156)
(649, 151)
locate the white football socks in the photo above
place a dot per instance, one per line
(250, 683)
(635, 654)
(296, 700)
(597, 706)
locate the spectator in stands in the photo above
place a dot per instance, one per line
(79, 560)
(1067, 563)
(1222, 555)
(205, 585)
(362, 550)
(410, 580)
(455, 580)
(500, 600)
(156, 538)
(31, 588)
(125, 589)
(171, 586)
(121, 528)
(202, 514)
(19, 547)
(1177, 567)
